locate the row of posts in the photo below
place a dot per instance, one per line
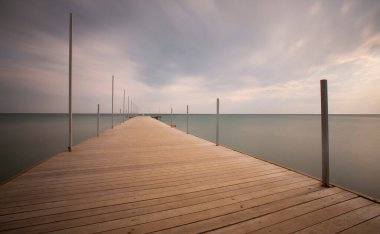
(324, 127)
(130, 103)
(134, 107)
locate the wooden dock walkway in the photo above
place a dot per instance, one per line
(144, 176)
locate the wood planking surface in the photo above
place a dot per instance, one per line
(144, 176)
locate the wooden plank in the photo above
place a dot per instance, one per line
(88, 209)
(303, 221)
(371, 226)
(132, 195)
(238, 216)
(123, 204)
(146, 211)
(160, 220)
(345, 221)
(69, 192)
(149, 174)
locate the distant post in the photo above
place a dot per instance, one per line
(171, 117)
(325, 134)
(187, 119)
(128, 109)
(123, 107)
(97, 125)
(120, 116)
(70, 82)
(112, 101)
(217, 121)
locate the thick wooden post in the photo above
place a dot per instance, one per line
(123, 107)
(187, 119)
(97, 125)
(171, 117)
(325, 134)
(112, 101)
(217, 122)
(128, 108)
(70, 83)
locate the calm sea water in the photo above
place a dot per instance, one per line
(291, 140)
(26, 139)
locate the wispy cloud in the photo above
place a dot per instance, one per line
(257, 56)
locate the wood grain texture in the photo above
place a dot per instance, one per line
(144, 176)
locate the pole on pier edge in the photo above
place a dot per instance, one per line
(70, 83)
(123, 107)
(128, 109)
(325, 134)
(171, 117)
(217, 121)
(97, 126)
(112, 101)
(187, 119)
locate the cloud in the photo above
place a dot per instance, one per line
(258, 57)
(315, 8)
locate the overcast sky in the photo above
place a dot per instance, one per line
(256, 56)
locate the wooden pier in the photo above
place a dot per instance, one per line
(143, 176)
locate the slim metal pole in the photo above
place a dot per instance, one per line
(70, 83)
(187, 119)
(97, 126)
(325, 134)
(112, 101)
(128, 108)
(217, 121)
(124, 106)
(171, 117)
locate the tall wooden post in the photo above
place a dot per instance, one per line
(97, 125)
(217, 121)
(128, 108)
(70, 83)
(187, 119)
(112, 101)
(325, 134)
(171, 117)
(123, 107)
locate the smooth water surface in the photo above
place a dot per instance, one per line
(26, 139)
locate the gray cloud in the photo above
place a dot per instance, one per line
(186, 50)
